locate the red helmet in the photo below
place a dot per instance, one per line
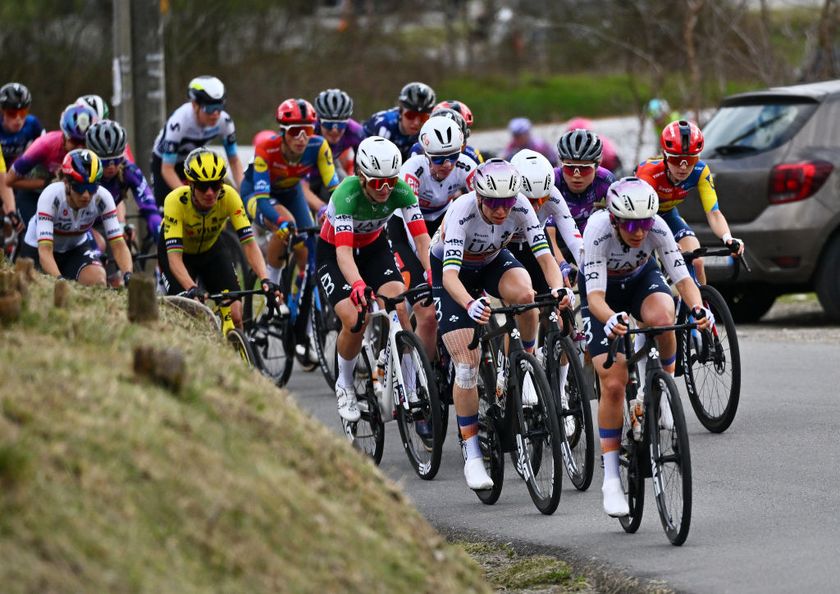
(296, 111)
(681, 138)
(460, 107)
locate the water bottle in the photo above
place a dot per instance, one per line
(637, 408)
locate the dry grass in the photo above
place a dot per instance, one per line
(110, 483)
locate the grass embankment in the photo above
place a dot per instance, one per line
(109, 483)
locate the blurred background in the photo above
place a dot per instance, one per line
(548, 61)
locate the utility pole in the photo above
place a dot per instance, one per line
(122, 101)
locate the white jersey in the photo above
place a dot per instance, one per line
(65, 228)
(466, 239)
(606, 258)
(555, 206)
(182, 133)
(433, 195)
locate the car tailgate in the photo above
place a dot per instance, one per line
(741, 188)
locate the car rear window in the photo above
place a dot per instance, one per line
(756, 127)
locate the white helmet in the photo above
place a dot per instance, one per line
(537, 173)
(97, 103)
(632, 198)
(496, 178)
(378, 157)
(441, 136)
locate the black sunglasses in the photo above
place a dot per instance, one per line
(208, 185)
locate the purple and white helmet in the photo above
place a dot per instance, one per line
(496, 178)
(632, 198)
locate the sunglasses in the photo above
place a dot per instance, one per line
(112, 161)
(411, 114)
(16, 113)
(212, 108)
(378, 183)
(81, 188)
(442, 159)
(494, 203)
(682, 160)
(580, 169)
(633, 225)
(333, 124)
(297, 131)
(203, 186)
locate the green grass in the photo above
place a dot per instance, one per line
(109, 483)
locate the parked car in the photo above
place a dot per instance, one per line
(775, 156)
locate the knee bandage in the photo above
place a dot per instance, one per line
(466, 376)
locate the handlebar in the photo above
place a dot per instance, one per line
(727, 250)
(545, 300)
(614, 342)
(424, 291)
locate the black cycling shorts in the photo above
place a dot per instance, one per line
(214, 269)
(404, 254)
(70, 263)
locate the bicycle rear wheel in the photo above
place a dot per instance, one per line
(489, 438)
(670, 457)
(325, 327)
(539, 438)
(572, 402)
(420, 426)
(240, 343)
(631, 473)
(272, 338)
(713, 371)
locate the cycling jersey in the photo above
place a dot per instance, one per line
(14, 143)
(387, 125)
(582, 205)
(354, 220)
(182, 133)
(466, 239)
(433, 195)
(471, 152)
(47, 151)
(352, 137)
(191, 231)
(555, 209)
(654, 172)
(607, 259)
(56, 223)
(129, 178)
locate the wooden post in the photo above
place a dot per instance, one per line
(142, 301)
(61, 296)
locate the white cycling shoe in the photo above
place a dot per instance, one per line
(476, 475)
(348, 407)
(615, 502)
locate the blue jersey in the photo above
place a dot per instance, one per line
(15, 143)
(387, 125)
(467, 150)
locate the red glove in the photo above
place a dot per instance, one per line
(357, 294)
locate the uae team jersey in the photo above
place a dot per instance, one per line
(555, 208)
(608, 259)
(434, 196)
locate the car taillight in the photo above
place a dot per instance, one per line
(797, 181)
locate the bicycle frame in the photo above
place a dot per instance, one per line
(394, 383)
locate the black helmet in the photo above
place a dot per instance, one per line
(106, 138)
(579, 145)
(333, 104)
(205, 90)
(417, 96)
(14, 96)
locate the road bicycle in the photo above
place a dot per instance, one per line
(394, 380)
(522, 418)
(654, 445)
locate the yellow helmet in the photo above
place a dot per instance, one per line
(203, 165)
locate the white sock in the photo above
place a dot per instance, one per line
(346, 368)
(611, 465)
(473, 449)
(564, 373)
(273, 274)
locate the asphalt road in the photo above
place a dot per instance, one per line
(765, 515)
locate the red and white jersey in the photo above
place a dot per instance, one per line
(57, 223)
(434, 196)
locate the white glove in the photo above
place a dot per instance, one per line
(565, 292)
(707, 313)
(476, 308)
(616, 319)
(727, 239)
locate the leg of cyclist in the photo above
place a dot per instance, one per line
(686, 239)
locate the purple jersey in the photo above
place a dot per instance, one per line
(130, 178)
(46, 151)
(353, 135)
(584, 204)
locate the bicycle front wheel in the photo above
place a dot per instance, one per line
(670, 456)
(631, 472)
(272, 338)
(489, 438)
(368, 433)
(713, 371)
(420, 426)
(240, 343)
(539, 437)
(325, 327)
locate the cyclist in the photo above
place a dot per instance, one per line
(334, 108)
(455, 116)
(193, 218)
(402, 124)
(57, 236)
(469, 258)
(609, 156)
(437, 177)
(522, 138)
(7, 199)
(620, 278)
(18, 128)
(353, 251)
(466, 113)
(193, 125)
(103, 112)
(673, 175)
(107, 139)
(47, 155)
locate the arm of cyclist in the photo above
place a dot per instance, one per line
(347, 265)
(720, 227)
(237, 172)
(144, 198)
(615, 323)
(167, 172)
(312, 199)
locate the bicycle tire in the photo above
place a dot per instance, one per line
(368, 433)
(423, 451)
(240, 343)
(707, 369)
(576, 415)
(631, 473)
(670, 458)
(230, 242)
(538, 434)
(489, 438)
(325, 326)
(272, 338)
